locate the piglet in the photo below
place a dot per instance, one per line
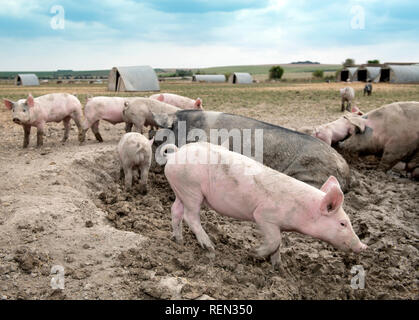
(178, 101)
(103, 108)
(54, 107)
(134, 151)
(139, 112)
(242, 188)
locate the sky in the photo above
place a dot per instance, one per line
(99, 34)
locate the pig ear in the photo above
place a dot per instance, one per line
(8, 103)
(198, 104)
(332, 201)
(329, 183)
(160, 98)
(29, 101)
(357, 121)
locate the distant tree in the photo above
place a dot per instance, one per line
(375, 61)
(349, 62)
(183, 73)
(276, 72)
(227, 75)
(318, 74)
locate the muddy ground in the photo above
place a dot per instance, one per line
(64, 205)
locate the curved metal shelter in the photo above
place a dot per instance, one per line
(400, 73)
(137, 78)
(347, 73)
(209, 78)
(241, 78)
(27, 79)
(367, 74)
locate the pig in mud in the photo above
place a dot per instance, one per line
(54, 107)
(242, 188)
(102, 108)
(134, 151)
(139, 112)
(292, 153)
(335, 131)
(393, 131)
(178, 101)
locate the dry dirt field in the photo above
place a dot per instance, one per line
(64, 205)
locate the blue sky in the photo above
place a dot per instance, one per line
(99, 34)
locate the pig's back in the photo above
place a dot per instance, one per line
(293, 153)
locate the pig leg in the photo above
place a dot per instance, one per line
(40, 135)
(27, 132)
(343, 106)
(66, 122)
(139, 125)
(121, 174)
(192, 218)
(272, 237)
(76, 116)
(177, 217)
(394, 151)
(128, 127)
(144, 177)
(128, 178)
(95, 129)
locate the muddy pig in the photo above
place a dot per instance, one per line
(391, 131)
(139, 112)
(134, 151)
(335, 131)
(178, 101)
(54, 107)
(242, 188)
(293, 153)
(103, 108)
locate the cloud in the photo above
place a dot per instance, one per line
(202, 32)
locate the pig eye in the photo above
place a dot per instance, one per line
(343, 224)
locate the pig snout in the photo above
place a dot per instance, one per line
(16, 120)
(360, 247)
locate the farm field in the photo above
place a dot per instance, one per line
(64, 205)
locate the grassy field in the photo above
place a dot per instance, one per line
(260, 72)
(297, 101)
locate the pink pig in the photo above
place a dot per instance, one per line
(178, 101)
(54, 107)
(102, 108)
(337, 130)
(239, 187)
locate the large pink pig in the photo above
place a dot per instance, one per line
(102, 108)
(178, 101)
(239, 187)
(54, 107)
